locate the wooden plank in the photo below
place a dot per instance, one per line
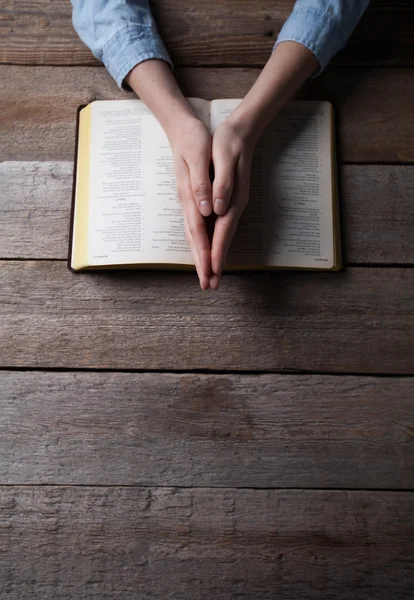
(206, 430)
(357, 321)
(218, 32)
(376, 202)
(168, 543)
(40, 125)
(35, 209)
(377, 213)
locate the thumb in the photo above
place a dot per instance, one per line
(200, 184)
(224, 166)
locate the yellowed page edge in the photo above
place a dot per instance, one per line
(335, 199)
(81, 215)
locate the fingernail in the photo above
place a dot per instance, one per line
(205, 208)
(219, 206)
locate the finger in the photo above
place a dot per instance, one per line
(214, 282)
(226, 225)
(195, 227)
(199, 245)
(224, 165)
(200, 183)
(224, 230)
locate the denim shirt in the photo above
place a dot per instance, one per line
(122, 33)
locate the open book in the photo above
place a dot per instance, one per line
(125, 206)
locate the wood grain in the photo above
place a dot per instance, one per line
(206, 430)
(35, 209)
(130, 543)
(376, 202)
(377, 213)
(40, 125)
(358, 321)
(117, 430)
(198, 33)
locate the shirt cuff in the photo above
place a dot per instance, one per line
(319, 31)
(130, 46)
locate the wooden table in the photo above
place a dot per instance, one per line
(158, 442)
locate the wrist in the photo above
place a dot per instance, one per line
(287, 69)
(154, 83)
(247, 124)
(177, 122)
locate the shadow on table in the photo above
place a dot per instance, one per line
(267, 294)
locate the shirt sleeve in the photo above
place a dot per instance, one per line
(323, 26)
(120, 33)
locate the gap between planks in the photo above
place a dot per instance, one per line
(212, 66)
(362, 265)
(258, 488)
(224, 372)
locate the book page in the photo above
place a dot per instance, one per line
(289, 219)
(134, 213)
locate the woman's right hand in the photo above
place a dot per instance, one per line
(190, 142)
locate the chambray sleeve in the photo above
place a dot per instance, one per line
(323, 26)
(120, 33)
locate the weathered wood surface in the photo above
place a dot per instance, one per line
(206, 430)
(377, 213)
(358, 321)
(225, 32)
(38, 107)
(129, 543)
(35, 209)
(376, 204)
(118, 430)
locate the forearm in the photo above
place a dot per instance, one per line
(155, 84)
(315, 31)
(290, 65)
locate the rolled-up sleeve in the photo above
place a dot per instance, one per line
(120, 33)
(323, 26)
